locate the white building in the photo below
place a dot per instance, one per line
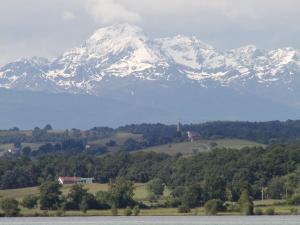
(75, 180)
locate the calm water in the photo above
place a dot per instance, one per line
(261, 220)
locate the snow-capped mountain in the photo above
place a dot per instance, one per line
(124, 51)
(122, 63)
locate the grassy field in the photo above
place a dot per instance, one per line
(21, 132)
(186, 148)
(143, 212)
(191, 148)
(119, 138)
(33, 146)
(283, 210)
(140, 194)
(5, 147)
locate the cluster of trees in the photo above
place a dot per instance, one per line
(47, 135)
(273, 132)
(119, 195)
(263, 132)
(68, 146)
(155, 134)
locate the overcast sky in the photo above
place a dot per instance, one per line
(49, 27)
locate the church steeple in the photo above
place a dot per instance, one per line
(179, 127)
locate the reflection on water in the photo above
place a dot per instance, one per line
(166, 220)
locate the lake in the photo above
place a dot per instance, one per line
(166, 220)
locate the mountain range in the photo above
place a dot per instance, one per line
(122, 76)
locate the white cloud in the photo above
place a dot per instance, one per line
(67, 16)
(223, 23)
(110, 11)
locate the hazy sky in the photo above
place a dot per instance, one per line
(49, 27)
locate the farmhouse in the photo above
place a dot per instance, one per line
(75, 180)
(193, 136)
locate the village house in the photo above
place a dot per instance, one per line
(193, 136)
(75, 180)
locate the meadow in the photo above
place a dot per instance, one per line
(192, 148)
(140, 194)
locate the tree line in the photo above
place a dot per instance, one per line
(272, 132)
(220, 174)
(119, 195)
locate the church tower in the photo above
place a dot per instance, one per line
(179, 127)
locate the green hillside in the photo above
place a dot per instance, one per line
(192, 148)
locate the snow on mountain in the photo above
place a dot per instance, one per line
(187, 51)
(25, 74)
(124, 52)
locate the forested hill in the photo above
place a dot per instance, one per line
(140, 136)
(106, 153)
(264, 132)
(221, 173)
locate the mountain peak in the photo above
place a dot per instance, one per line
(121, 30)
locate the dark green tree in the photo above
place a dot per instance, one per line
(246, 204)
(75, 196)
(10, 207)
(30, 201)
(26, 151)
(156, 186)
(128, 211)
(50, 195)
(277, 188)
(136, 210)
(104, 199)
(121, 191)
(48, 127)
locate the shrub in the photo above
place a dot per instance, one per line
(114, 210)
(136, 210)
(30, 202)
(103, 199)
(295, 200)
(156, 186)
(270, 211)
(152, 197)
(196, 212)
(232, 207)
(60, 212)
(184, 208)
(246, 204)
(173, 202)
(10, 207)
(84, 206)
(128, 211)
(294, 211)
(111, 143)
(258, 212)
(213, 206)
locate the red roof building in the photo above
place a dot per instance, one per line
(68, 180)
(75, 180)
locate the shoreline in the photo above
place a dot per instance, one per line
(144, 213)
